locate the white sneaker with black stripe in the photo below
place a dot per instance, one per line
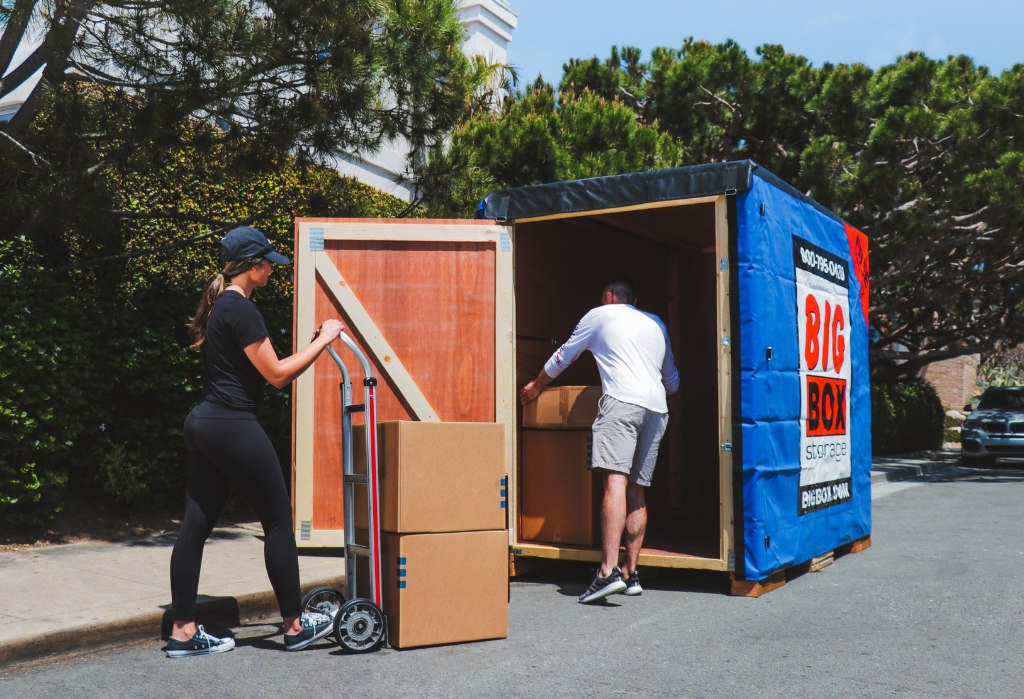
(201, 643)
(314, 627)
(633, 588)
(602, 587)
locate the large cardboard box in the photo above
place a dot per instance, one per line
(559, 502)
(563, 407)
(445, 588)
(436, 476)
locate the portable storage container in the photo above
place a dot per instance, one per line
(766, 462)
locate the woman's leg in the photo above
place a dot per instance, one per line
(250, 464)
(205, 495)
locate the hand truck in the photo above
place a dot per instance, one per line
(359, 624)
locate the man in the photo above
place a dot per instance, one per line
(637, 369)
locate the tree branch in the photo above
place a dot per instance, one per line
(14, 33)
(36, 159)
(23, 72)
(57, 48)
(131, 254)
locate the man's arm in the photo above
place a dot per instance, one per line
(563, 357)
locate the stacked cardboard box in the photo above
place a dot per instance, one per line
(559, 503)
(444, 544)
(563, 408)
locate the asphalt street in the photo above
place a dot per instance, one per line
(933, 609)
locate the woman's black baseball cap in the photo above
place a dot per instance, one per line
(243, 242)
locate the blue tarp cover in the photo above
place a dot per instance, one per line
(804, 448)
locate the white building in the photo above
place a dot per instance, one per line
(489, 25)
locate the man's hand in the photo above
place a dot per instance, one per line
(529, 392)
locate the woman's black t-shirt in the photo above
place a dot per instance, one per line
(231, 379)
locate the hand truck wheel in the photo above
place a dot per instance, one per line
(359, 626)
(325, 600)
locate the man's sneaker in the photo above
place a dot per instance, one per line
(633, 585)
(314, 627)
(602, 587)
(201, 643)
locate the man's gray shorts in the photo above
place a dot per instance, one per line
(626, 439)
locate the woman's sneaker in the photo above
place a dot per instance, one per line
(314, 627)
(633, 585)
(602, 587)
(201, 643)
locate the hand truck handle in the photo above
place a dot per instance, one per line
(367, 368)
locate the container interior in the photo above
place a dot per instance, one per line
(669, 251)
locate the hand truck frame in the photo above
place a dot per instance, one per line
(359, 624)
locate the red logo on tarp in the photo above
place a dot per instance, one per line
(826, 406)
(859, 254)
(824, 342)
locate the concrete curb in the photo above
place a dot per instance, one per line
(904, 473)
(213, 612)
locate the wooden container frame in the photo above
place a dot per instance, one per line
(726, 560)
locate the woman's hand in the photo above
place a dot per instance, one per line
(330, 329)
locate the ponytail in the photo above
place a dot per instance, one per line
(215, 286)
(197, 324)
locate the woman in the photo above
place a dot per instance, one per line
(228, 449)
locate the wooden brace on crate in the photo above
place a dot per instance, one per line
(376, 344)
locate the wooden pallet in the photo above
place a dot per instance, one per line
(756, 588)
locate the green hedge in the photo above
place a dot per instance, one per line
(905, 417)
(43, 406)
(97, 376)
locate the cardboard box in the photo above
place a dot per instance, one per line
(563, 407)
(436, 476)
(445, 588)
(558, 498)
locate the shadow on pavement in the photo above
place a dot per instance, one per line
(1002, 471)
(572, 578)
(261, 641)
(168, 538)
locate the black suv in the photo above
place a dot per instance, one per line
(995, 427)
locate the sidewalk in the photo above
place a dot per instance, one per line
(62, 600)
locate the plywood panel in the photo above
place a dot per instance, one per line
(434, 303)
(328, 494)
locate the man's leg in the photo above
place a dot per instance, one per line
(644, 460)
(613, 519)
(636, 525)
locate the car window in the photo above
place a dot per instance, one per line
(1002, 400)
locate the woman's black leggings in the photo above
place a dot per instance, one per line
(228, 450)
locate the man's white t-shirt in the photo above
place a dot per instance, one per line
(633, 354)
